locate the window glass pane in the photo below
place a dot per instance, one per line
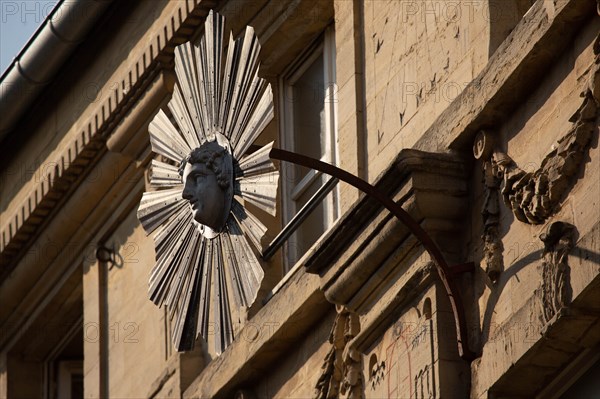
(308, 98)
(308, 116)
(314, 225)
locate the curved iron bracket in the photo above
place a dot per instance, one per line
(445, 272)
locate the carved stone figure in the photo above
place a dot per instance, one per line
(534, 197)
(341, 372)
(490, 212)
(484, 148)
(207, 178)
(558, 242)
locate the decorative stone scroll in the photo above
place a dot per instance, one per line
(558, 241)
(206, 271)
(490, 212)
(341, 372)
(535, 196)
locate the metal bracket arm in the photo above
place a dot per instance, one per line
(445, 272)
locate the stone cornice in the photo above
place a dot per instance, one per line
(77, 159)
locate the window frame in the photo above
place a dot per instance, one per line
(324, 45)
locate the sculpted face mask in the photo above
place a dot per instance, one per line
(206, 270)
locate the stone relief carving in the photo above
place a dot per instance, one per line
(558, 241)
(534, 196)
(490, 212)
(341, 372)
(377, 373)
(493, 260)
(422, 381)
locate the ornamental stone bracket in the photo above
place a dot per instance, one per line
(364, 252)
(371, 265)
(341, 372)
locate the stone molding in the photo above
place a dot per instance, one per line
(361, 253)
(81, 154)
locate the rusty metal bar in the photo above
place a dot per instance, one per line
(444, 271)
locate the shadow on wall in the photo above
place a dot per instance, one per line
(532, 258)
(503, 17)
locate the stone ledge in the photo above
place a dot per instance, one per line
(358, 254)
(531, 354)
(264, 338)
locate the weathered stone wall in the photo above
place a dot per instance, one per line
(295, 373)
(418, 57)
(416, 357)
(137, 346)
(400, 64)
(513, 312)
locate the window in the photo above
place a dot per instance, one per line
(70, 379)
(309, 127)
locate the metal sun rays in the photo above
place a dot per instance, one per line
(202, 281)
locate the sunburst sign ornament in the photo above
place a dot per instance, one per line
(205, 268)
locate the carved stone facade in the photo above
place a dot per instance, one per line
(556, 290)
(534, 197)
(490, 213)
(414, 90)
(342, 368)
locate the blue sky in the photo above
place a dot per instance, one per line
(18, 21)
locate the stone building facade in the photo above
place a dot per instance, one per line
(480, 118)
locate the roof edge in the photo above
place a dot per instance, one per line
(43, 55)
